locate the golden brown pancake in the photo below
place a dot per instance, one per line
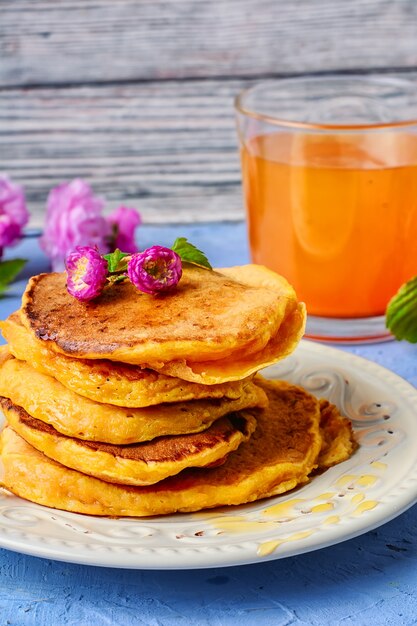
(280, 455)
(212, 315)
(338, 441)
(135, 464)
(233, 369)
(46, 399)
(107, 381)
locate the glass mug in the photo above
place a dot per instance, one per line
(329, 168)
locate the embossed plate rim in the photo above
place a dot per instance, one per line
(133, 544)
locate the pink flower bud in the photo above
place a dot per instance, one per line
(155, 270)
(73, 218)
(13, 212)
(124, 222)
(86, 273)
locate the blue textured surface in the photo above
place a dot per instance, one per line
(367, 580)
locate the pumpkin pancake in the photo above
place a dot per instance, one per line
(233, 369)
(280, 455)
(107, 381)
(46, 399)
(135, 464)
(211, 315)
(338, 442)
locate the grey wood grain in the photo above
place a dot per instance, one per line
(136, 95)
(82, 41)
(168, 148)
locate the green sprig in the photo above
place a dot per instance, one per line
(190, 254)
(116, 261)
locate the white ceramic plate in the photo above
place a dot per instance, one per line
(375, 485)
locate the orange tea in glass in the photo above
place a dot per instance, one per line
(329, 171)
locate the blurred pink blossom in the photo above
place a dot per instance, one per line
(124, 222)
(13, 212)
(73, 218)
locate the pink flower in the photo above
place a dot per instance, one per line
(86, 273)
(156, 270)
(13, 212)
(124, 222)
(73, 218)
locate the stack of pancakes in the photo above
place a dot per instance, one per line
(141, 405)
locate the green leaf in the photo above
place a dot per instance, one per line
(190, 254)
(115, 261)
(9, 270)
(401, 313)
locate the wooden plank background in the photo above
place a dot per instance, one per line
(136, 96)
